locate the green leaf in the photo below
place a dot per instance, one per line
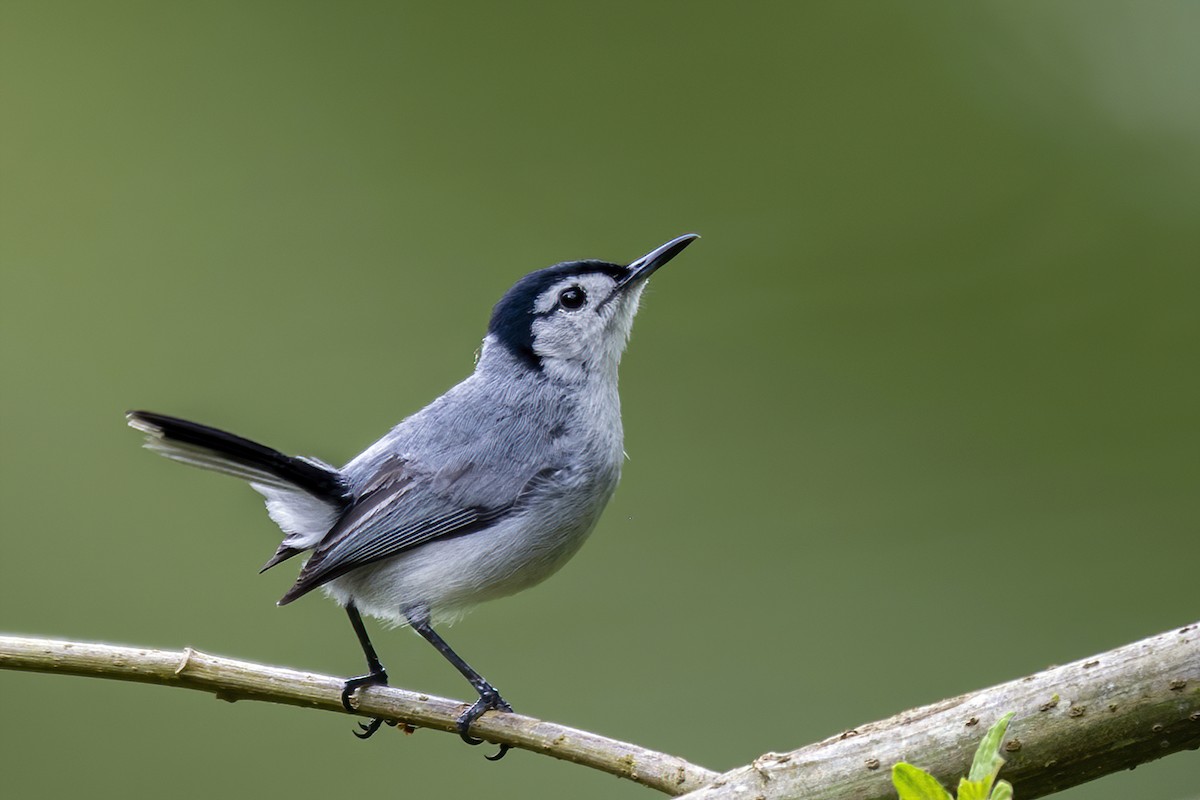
(973, 790)
(1003, 791)
(913, 783)
(987, 758)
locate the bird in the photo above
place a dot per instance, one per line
(484, 492)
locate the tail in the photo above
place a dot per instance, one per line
(305, 497)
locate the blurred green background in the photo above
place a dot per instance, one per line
(918, 415)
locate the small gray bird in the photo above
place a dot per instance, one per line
(484, 492)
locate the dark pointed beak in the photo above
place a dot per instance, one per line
(642, 268)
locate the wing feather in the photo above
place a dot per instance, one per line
(389, 520)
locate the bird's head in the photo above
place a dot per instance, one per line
(572, 320)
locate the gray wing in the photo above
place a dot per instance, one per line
(455, 467)
(399, 511)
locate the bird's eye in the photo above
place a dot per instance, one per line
(572, 299)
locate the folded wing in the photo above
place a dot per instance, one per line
(398, 512)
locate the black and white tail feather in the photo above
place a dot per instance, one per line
(304, 496)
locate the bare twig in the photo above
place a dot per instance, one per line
(241, 680)
(1073, 723)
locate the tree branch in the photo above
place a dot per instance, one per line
(241, 680)
(1073, 723)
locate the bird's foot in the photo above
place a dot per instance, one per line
(489, 700)
(351, 685)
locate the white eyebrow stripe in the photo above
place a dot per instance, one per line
(596, 286)
(547, 300)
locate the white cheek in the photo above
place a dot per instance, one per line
(558, 336)
(590, 339)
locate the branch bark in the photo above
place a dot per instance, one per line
(1074, 723)
(242, 680)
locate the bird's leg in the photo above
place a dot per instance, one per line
(376, 677)
(489, 698)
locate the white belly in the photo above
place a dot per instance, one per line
(450, 575)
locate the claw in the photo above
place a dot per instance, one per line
(368, 730)
(351, 685)
(489, 700)
(471, 740)
(370, 679)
